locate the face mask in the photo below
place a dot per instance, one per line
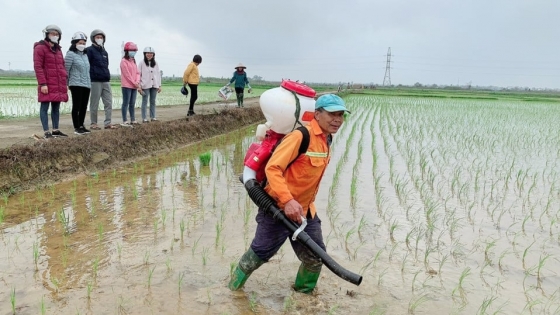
(99, 41)
(80, 47)
(131, 54)
(53, 39)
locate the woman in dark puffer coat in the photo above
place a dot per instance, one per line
(51, 77)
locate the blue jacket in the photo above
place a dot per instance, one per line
(77, 66)
(98, 64)
(240, 79)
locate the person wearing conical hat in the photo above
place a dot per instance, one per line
(240, 79)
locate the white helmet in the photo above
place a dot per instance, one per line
(149, 50)
(79, 36)
(52, 27)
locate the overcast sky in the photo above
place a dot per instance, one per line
(486, 42)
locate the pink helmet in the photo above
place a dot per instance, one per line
(130, 46)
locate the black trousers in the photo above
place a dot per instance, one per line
(194, 96)
(80, 99)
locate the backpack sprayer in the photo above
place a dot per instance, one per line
(283, 107)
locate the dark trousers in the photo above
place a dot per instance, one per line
(271, 235)
(194, 96)
(80, 99)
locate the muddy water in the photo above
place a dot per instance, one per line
(159, 236)
(444, 207)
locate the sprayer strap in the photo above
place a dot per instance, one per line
(297, 112)
(303, 146)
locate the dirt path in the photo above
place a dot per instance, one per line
(22, 130)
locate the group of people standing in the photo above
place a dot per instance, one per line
(85, 71)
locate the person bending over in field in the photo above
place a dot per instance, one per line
(191, 77)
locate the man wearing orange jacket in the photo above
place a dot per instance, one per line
(294, 188)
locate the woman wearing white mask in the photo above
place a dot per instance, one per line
(150, 82)
(51, 74)
(79, 82)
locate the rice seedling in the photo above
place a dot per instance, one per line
(380, 276)
(147, 257)
(489, 245)
(541, 263)
(333, 309)
(43, 307)
(156, 224)
(289, 303)
(56, 283)
(182, 228)
(394, 225)
(525, 255)
(414, 303)
(253, 302)
(205, 158)
(482, 309)
(150, 275)
(119, 250)
(349, 234)
(180, 282)
(168, 264)
(459, 288)
(502, 255)
(95, 267)
(403, 263)
(442, 262)
(205, 256)
(13, 299)
(195, 245)
(89, 287)
(36, 255)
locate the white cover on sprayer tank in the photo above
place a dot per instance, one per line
(279, 106)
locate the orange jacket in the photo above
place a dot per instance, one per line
(301, 180)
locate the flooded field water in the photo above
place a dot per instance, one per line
(444, 206)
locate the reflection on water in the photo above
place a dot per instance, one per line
(445, 207)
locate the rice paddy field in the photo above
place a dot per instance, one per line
(443, 205)
(18, 98)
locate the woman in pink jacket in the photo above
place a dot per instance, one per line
(52, 77)
(130, 82)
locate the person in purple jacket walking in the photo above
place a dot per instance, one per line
(130, 82)
(150, 82)
(52, 77)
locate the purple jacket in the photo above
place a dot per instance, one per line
(50, 71)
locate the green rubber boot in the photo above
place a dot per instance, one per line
(238, 100)
(241, 99)
(248, 263)
(306, 280)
